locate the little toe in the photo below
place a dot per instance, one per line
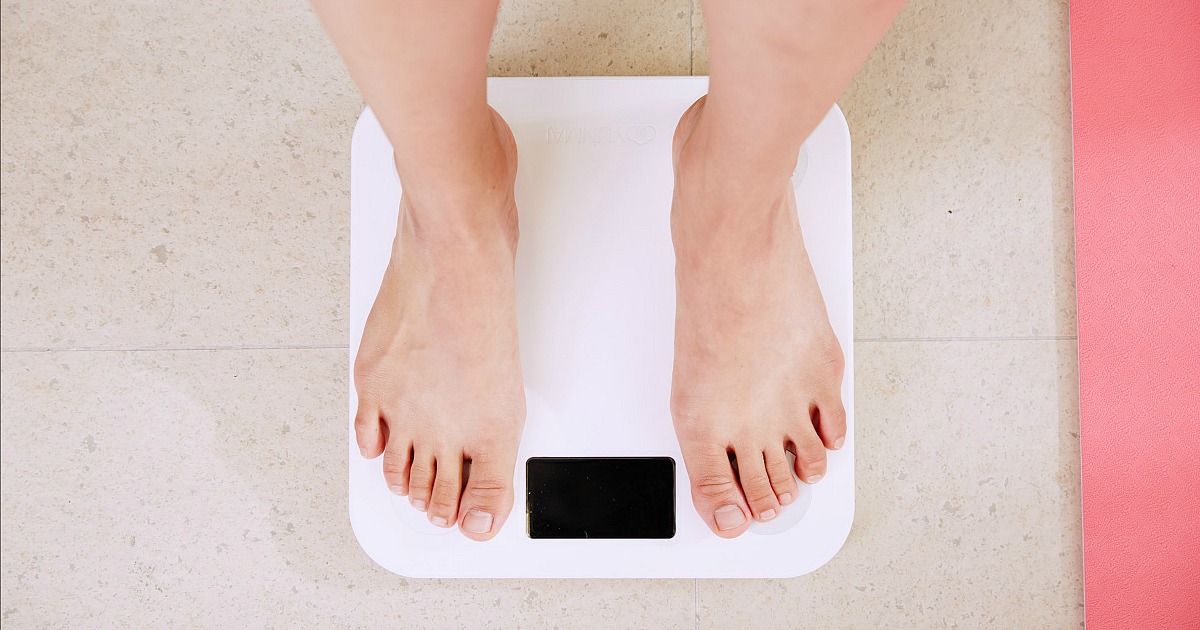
(715, 491)
(756, 483)
(420, 478)
(488, 495)
(396, 461)
(810, 455)
(367, 431)
(779, 470)
(447, 484)
(831, 423)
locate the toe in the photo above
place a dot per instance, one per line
(810, 455)
(756, 484)
(396, 461)
(367, 431)
(831, 423)
(420, 478)
(715, 491)
(779, 471)
(488, 495)
(447, 483)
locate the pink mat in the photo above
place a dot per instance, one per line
(1135, 72)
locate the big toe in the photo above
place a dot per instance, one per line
(715, 491)
(487, 498)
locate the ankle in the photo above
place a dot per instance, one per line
(714, 174)
(455, 188)
(462, 227)
(465, 198)
(715, 203)
(708, 182)
(717, 151)
(725, 207)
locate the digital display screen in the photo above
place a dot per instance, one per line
(600, 497)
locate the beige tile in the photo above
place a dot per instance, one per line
(173, 173)
(208, 489)
(968, 506)
(177, 174)
(962, 172)
(583, 37)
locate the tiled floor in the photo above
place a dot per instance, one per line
(174, 231)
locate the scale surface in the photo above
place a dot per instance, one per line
(596, 304)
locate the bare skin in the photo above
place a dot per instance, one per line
(438, 374)
(758, 370)
(445, 317)
(757, 367)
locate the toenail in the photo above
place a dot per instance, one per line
(838, 443)
(815, 478)
(419, 504)
(477, 522)
(729, 517)
(785, 498)
(768, 515)
(439, 521)
(397, 489)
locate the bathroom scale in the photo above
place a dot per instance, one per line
(596, 312)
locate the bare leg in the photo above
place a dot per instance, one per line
(758, 369)
(438, 374)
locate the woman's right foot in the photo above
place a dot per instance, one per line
(438, 374)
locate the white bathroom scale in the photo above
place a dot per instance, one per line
(596, 312)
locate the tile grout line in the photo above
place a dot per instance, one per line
(33, 349)
(691, 38)
(20, 350)
(696, 603)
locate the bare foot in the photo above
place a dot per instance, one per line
(438, 374)
(758, 369)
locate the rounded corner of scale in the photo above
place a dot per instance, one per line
(364, 118)
(839, 118)
(840, 535)
(368, 544)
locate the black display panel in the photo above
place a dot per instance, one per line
(600, 497)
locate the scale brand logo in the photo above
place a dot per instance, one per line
(601, 134)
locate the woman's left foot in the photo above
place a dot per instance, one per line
(758, 370)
